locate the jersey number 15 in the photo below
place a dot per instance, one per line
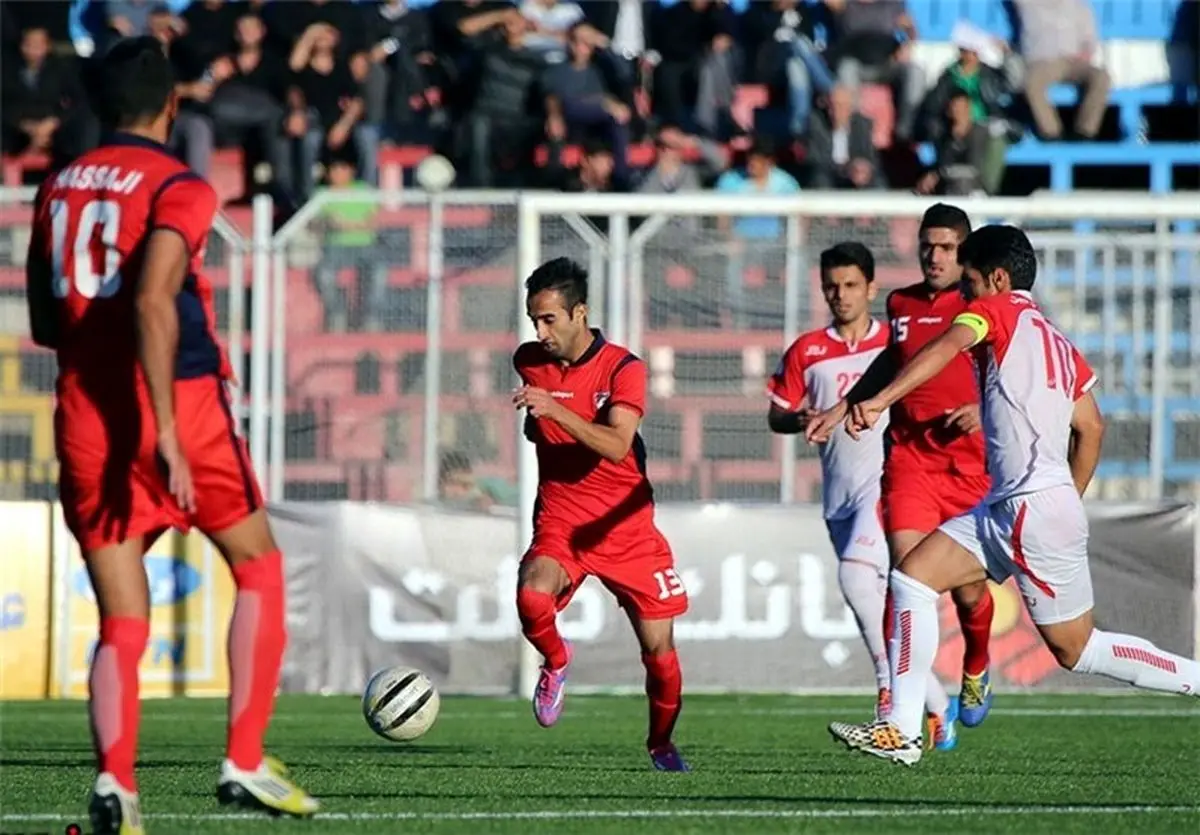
(96, 234)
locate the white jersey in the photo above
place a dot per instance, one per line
(1031, 376)
(818, 370)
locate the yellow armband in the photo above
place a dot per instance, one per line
(976, 323)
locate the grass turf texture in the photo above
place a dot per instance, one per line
(1061, 764)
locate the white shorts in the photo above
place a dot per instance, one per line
(860, 537)
(1041, 539)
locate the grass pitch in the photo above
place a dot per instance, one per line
(1055, 764)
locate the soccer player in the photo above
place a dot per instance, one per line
(935, 465)
(1043, 432)
(143, 429)
(584, 398)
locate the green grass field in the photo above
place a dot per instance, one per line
(762, 764)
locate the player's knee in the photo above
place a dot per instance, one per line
(1067, 647)
(261, 572)
(534, 603)
(970, 596)
(544, 575)
(128, 635)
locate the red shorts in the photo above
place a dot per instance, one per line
(112, 483)
(636, 565)
(915, 499)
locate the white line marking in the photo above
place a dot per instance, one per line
(624, 814)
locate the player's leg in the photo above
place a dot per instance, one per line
(118, 579)
(863, 567)
(946, 559)
(544, 586)
(664, 686)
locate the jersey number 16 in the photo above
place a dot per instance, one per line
(95, 239)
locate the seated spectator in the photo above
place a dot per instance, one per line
(457, 29)
(459, 487)
(325, 108)
(577, 101)
(961, 152)
(598, 172)
(550, 23)
(195, 80)
(401, 55)
(1059, 43)
(989, 91)
(504, 124)
(868, 50)
(350, 243)
(249, 102)
(45, 108)
(785, 55)
(841, 152)
(697, 67)
(754, 241)
(670, 172)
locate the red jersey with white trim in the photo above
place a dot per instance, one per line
(917, 435)
(1032, 375)
(577, 486)
(819, 369)
(92, 221)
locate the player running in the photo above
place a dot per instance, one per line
(935, 464)
(585, 398)
(143, 428)
(1043, 431)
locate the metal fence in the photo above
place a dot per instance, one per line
(372, 333)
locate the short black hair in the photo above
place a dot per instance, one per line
(849, 254)
(453, 461)
(998, 247)
(762, 146)
(563, 276)
(593, 145)
(132, 82)
(945, 216)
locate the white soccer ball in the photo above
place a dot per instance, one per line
(435, 173)
(400, 703)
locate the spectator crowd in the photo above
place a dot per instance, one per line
(313, 89)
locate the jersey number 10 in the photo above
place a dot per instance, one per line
(1060, 360)
(97, 218)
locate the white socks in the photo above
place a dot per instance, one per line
(914, 647)
(1140, 663)
(865, 593)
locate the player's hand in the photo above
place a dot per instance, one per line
(821, 425)
(179, 474)
(863, 416)
(965, 419)
(537, 402)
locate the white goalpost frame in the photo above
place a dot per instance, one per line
(1163, 211)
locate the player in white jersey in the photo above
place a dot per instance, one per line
(1043, 431)
(814, 374)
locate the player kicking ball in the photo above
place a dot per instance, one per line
(143, 430)
(1043, 430)
(935, 464)
(585, 398)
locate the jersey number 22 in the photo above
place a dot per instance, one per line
(97, 219)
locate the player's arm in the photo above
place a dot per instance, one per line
(1087, 435)
(789, 414)
(39, 291)
(879, 373)
(612, 441)
(783, 422)
(969, 329)
(163, 272)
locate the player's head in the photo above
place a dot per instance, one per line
(556, 301)
(848, 281)
(997, 259)
(455, 478)
(134, 88)
(943, 228)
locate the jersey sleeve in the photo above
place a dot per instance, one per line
(1085, 377)
(985, 320)
(185, 204)
(786, 387)
(629, 385)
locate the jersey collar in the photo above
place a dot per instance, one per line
(133, 140)
(872, 331)
(598, 342)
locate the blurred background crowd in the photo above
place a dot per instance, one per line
(621, 95)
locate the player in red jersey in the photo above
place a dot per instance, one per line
(585, 398)
(935, 467)
(143, 429)
(1044, 431)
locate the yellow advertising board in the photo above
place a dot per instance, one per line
(25, 596)
(191, 596)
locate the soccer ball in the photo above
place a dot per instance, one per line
(400, 703)
(435, 173)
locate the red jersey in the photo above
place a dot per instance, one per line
(577, 486)
(91, 222)
(917, 421)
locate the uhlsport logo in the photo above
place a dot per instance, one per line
(1016, 648)
(171, 581)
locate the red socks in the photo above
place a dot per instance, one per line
(976, 627)
(257, 637)
(538, 610)
(114, 707)
(664, 687)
